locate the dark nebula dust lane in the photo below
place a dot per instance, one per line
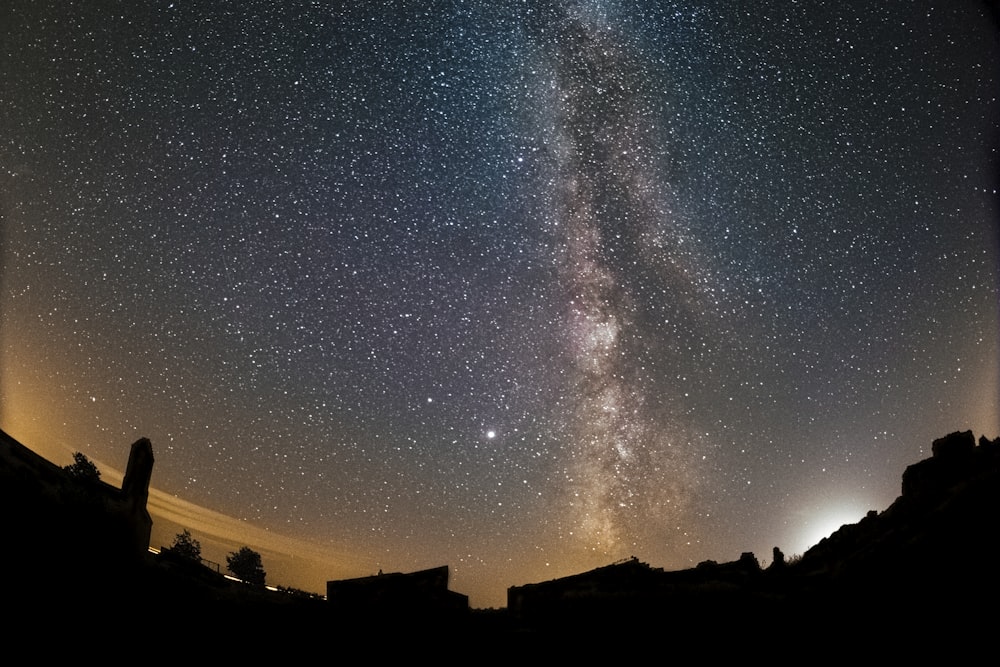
(520, 288)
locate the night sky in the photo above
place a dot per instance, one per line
(522, 288)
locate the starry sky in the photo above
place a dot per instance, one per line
(522, 288)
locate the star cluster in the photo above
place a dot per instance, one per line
(517, 287)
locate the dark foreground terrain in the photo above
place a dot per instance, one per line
(919, 579)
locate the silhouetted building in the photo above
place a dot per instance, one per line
(416, 594)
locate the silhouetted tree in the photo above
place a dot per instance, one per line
(245, 564)
(186, 547)
(87, 524)
(83, 469)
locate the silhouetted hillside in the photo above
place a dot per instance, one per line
(924, 565)
(72, 570)
(945, 518)
(56, 523)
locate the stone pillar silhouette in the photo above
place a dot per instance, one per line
(135, 491)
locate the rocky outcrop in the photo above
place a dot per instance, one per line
(954, 458)
(135, 492)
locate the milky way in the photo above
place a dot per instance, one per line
(630, 467)
(517, 287)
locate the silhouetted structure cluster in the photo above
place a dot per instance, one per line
(926, 561)
(631, 595)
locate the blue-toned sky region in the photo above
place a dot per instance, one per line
(522, 288)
